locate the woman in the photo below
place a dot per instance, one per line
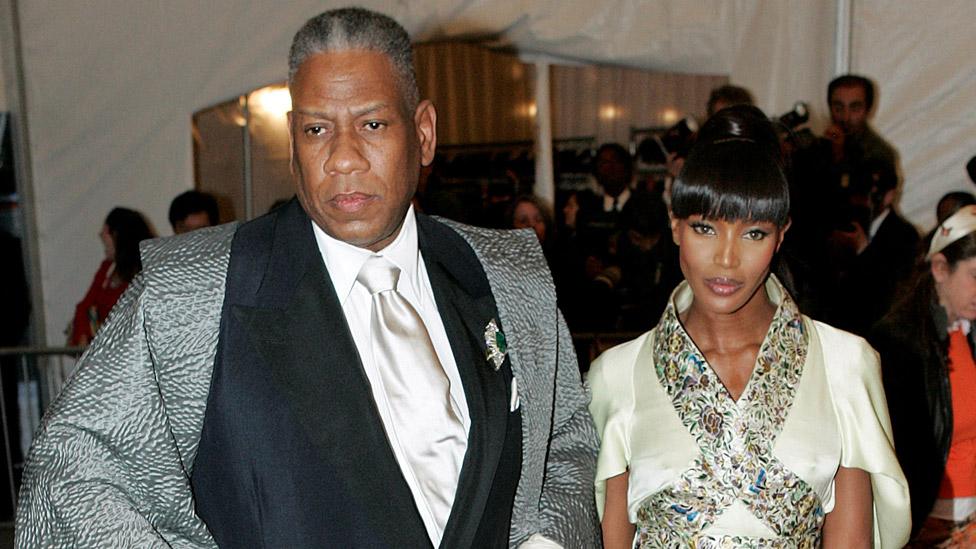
(121, 234)
(737, 421)
(926, 348)
(530, 212)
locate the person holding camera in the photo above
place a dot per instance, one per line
(851, 141)
(874, 250)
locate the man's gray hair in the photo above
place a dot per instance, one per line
(357, 29)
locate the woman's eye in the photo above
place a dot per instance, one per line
(702, 228)
(756, 234)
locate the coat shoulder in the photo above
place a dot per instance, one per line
(188, 262)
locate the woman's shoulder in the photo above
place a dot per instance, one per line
(846, 356)
(611, 376)
(619, 360)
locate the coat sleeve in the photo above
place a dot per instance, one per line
(568, 503)
(106, 469)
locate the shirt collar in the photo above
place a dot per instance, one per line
(344, 261)
(621, 200)
(962, 325)
(876, 224)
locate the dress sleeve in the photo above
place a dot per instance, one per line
(611, 406)
(854, 376)
(81, 325)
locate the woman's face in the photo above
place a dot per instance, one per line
(107, 242)
(725, 262)
(527, 216)
(956, 287)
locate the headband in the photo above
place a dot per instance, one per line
(952, 229)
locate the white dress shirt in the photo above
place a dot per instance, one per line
(344, 261)
(611, 203)
(876, 223)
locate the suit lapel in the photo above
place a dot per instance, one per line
(296, 323)
(465, 303)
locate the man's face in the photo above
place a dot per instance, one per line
(611, 172)
(356, 150)
(848, 109)
(192, 222)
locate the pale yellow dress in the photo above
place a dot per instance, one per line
(708, 471)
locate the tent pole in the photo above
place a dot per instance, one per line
(842, 37)
(544, 185)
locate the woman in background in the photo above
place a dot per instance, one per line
(121, 234)
(530, 212)
(737, 421)
(926, 346)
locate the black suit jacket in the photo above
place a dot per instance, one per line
(877, 273)
(293, 452)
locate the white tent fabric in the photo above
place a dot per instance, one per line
(923, 55)
(111, 85)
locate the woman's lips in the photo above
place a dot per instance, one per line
(723, 286)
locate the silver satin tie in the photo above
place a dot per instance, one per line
(426, 425)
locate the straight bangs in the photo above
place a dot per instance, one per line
(732, 180)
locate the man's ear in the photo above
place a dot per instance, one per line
(940, 267)
(889, 198)
(425, 122)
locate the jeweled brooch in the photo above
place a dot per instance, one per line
(495, 346)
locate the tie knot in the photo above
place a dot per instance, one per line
(378, 275)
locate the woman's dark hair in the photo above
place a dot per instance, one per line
(914, 305)
(960, 250)
(734, 171)
(128, 228)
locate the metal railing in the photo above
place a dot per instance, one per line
(30, 378)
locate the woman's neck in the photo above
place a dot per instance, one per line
(722, 331)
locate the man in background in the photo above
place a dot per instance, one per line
(193, 210)
(851, 140)
(726, 96)
(884, 246)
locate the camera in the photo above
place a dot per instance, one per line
(799, 115)
(676, 139)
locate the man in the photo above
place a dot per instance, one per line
(373, 378)
(884, 246)
(601, 211)
(602, 223)
(193, 210)
(850, 139)
(727, 96)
